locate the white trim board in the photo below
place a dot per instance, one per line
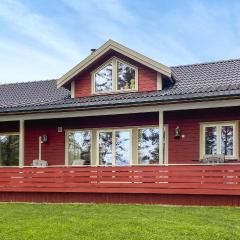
(123, 110)
(73, 89)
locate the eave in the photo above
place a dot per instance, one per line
(173, 104)
(109, 46)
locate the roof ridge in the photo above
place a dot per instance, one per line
(19, 83)
(206, 63)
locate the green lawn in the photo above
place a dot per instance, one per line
(75, 221)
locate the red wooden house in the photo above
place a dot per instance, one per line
(121, 127)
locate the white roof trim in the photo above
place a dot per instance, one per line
(112, 45)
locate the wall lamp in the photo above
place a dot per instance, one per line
(177, 132)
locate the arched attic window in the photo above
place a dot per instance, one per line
(115, 76)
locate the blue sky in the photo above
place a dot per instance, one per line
(43, 39)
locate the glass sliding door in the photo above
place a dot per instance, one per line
(115, 147)
(105, 148)
(123, 147)
(9, 150)
(148, 145)
(79, 147)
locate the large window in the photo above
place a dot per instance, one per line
(148, 145)
(219, 138)
(115, 75)
(9, 150)
(79, 147)
(114, 147)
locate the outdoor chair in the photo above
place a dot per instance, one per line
(212, 159)
(39, 163)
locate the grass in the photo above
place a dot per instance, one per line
(103, 222)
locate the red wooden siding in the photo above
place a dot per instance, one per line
(201, 180)
(54, 150)
(83, 85)
(186, 150)
(147, 78)
(124, 198)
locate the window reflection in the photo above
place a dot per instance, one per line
(227, 140)
(114, 147)
(103, 79)
(148, 146)
(210, 140)
(79, 147)
(126, 77)
(105, 148)
(9, 150)
(123, 148)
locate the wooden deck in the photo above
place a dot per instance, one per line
(182, 180)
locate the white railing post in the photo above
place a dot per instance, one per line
(161, 129)
(21, 142)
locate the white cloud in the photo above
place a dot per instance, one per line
(37, 27)
(116, 11)
(100, 9)
(208, 30)
(197, 31)
(104, 18)
(112, 19)
(21, 63)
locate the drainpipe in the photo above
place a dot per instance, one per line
(40, 148)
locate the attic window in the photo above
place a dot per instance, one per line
(114, 76)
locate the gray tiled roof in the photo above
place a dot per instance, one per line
(31, 93)
(206, 77)
(207, 80)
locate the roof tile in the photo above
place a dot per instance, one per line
(190, 81)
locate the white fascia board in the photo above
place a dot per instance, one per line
(123, 110)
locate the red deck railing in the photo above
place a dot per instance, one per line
(184, 179)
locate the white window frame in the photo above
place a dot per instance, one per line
(13, 134)
(218, 126)
(165, 142)
(113, 131)
(114, 61)
(67, 144)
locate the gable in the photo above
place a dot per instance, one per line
(145, 79)
(104, 50)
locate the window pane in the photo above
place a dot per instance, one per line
(105, 148)
(103, 79)
(126, 77)
(123, 148)
(79, 147)
(9, 150)
(211, 140)
(227, 140)
(148, 146)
